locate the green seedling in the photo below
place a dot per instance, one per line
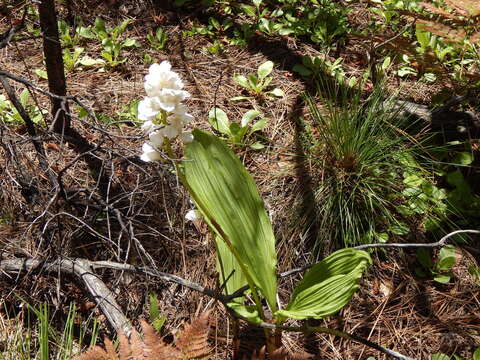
(10, 115)
(238, 134)
(159, 40)
(156, 319)
(69, 40)
(112, 43)
(441, 356)
(71, 59)
(439, 269)
(475, 272)
(256, 84)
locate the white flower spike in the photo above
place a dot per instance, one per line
(162, 112)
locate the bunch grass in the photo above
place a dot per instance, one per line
(361, 150)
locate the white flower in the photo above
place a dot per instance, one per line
(149, 153)
(186, 137)
(192, 215)
(157, 137)
(148, 109)
(161, 77)
(169, 99)
(171, 131)
(149, 126)
(181, 118)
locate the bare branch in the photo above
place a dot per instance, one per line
(82, 269)
(441, 242)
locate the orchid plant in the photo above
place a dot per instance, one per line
(228, 201)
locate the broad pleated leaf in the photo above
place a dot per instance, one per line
(227, 196)
(327, 286)
(231, 276)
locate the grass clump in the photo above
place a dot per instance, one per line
(370, 180)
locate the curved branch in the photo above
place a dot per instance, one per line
(441, 242)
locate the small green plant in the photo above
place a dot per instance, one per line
(159, 40)
(440, 268)
(237, 133)
(112, 43)
(441, 356)
(156, 319)
(10, 115)
(475, 272)
(71, 59)
(256, 84)
(81, 32)
(315, 67)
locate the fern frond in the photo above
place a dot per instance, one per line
(97, 353)
(155, 347)
(193, 341)
(123, 347)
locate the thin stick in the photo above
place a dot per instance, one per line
(441, 242)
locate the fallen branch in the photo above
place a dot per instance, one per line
(441, 242)
(82, 269)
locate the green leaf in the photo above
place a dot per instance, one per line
(302, 70)
(42, 74)
(85, 32)
(328, 286)
(24, 97)
(131, 42)
(226, 195)
(440, 356)
(259, 125)
(240, 98)
(241, 80)
(413, 180)
(248, 117)
(476, 354)
(248, 312)
(399, 229)
(257, 146)
(234, 129)
(424, 258)
(252, 82)
(423, 37)
(88, 61)
(219, 121)
(248, 10)
(265, 69)
(100, 25)
(446, 258)
(276, 92)
(156, 319)
(463, 158)
(442, 278)
(230, 274)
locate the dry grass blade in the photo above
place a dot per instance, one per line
(193, 341)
